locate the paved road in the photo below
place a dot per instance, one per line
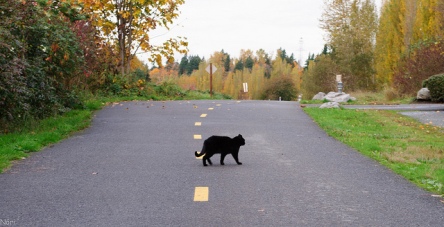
(135, 167)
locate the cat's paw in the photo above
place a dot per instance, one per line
(222, 163)
(239, 163)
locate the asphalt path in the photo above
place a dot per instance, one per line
(135, 166)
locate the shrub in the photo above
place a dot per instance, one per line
(423, 60)
(283, 87)
(436, 86)
(168, 88)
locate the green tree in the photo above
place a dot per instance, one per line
(249, 62)
(320, 76)
(183, 65)
(239, 65)
(227, 63)
(193, 64)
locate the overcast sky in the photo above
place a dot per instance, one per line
(232, 25)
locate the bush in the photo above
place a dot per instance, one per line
(169, 89)
(283, 87)
(436, 86)
(423, 60)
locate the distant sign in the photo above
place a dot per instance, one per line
(208, 68)
(338, 78)
(245, 85)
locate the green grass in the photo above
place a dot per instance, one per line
(17, 145)
(411, 149)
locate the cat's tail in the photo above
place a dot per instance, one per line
(197, 154)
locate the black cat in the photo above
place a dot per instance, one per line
(222, 145)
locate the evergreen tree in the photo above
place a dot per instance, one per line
(239, 65)
(183, 65)
(227, 63)
(193, 64)
(249, 62)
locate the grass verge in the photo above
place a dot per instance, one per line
(411, 149)
(17, 145)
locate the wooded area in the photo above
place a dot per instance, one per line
(53, 52)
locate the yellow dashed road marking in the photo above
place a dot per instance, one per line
(197, 137)
(218, 104)
(201, 194)
(203, 115)
(198, 124)
(210, 108)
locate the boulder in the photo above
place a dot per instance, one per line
(423, 94)
(319, 96)
(337, 97)
(329, 105)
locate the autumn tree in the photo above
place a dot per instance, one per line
(351, 28)
(404, 26)
(127, 23)
(428, 20)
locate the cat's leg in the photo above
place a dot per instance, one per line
(204, 160)
(236, 158)
(209, 161)
(222, 157)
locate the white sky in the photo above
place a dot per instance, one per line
(232, 25)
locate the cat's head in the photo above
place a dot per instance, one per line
(240, 140)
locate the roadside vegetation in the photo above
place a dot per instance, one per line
(411, 149)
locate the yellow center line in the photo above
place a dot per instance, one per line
(201, 194)
(211, 108)
(197, 137)
(198, 124)
(218, 104)
(203, 115)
